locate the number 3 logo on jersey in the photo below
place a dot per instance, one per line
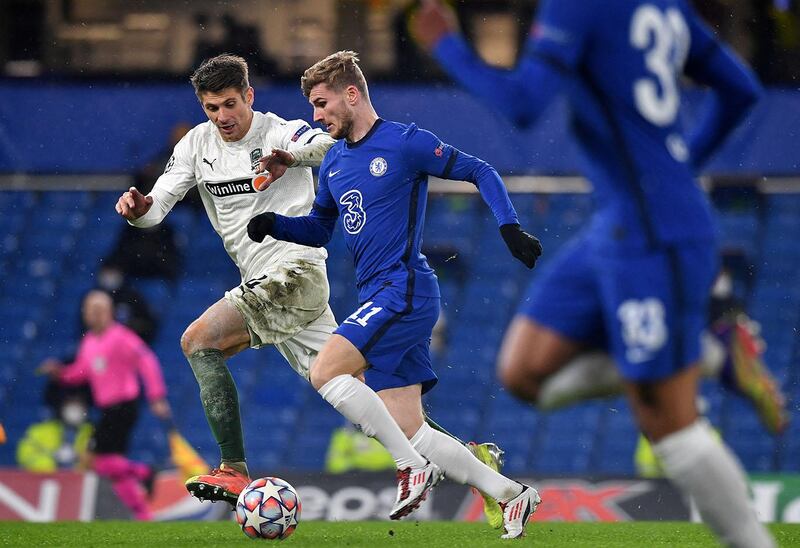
(664, 38)
(356, 217)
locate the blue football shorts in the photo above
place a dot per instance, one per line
(648, 308)
(393, 333)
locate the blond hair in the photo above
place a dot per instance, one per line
(337, 71)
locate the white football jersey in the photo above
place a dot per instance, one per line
(223, 172)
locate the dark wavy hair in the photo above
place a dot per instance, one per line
(221, 72)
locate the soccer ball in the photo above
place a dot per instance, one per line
(268, 508)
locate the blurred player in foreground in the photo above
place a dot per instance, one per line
(376, 179)
(112, 358)
(638, 279)
(283, 297)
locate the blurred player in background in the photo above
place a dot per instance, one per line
(283, 297)
(112, 359)
(638, 279)
(376, 179)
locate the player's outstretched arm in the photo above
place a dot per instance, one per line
(133, 204)
(427, 154)
(272, 166)
(313, 230)
(520, 94)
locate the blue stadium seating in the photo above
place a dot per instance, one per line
(47, 267)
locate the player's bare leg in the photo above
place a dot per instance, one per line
(334, 375)
(220, 332)
(700, 466)
(457, 462)
(539, 365)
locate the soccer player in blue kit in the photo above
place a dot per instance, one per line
(376, 179)
(637, 281)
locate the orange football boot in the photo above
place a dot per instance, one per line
(223, 483)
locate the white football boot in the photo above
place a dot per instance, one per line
(413, 485)
(517, 511)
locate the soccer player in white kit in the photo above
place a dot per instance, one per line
(283, 297)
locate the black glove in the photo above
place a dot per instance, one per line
(261, 226)
(523, 246)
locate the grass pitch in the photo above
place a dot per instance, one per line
(369, 534)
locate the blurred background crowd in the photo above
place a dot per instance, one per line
(280, 38)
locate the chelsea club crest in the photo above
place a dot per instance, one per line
(378, 166)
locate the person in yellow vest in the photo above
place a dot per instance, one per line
(350, 449)
(62, 441)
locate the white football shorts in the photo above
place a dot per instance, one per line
(288, 306)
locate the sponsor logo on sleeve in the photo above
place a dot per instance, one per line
(299, 132)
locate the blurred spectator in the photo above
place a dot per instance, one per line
(152, 252)
(350, 449)
(61, 441)
(130, 306)
(227, 35)
(211, 36)
(776, 33)
(410, 64)
(112, 359)
(145, 178)
(147, 253)
(439, 336)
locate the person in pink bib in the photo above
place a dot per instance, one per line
(113, 359)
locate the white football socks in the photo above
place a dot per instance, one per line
(705, 469)
(594, 375)
(359, 404)
(589, 375)
(460, 465)
(712, 354)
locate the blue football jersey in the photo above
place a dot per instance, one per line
(378, 186)
(620, 64)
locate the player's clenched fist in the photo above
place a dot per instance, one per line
(261, 226)
(522, 245)
(133, 204)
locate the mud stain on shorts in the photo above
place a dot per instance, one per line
(284, 301)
